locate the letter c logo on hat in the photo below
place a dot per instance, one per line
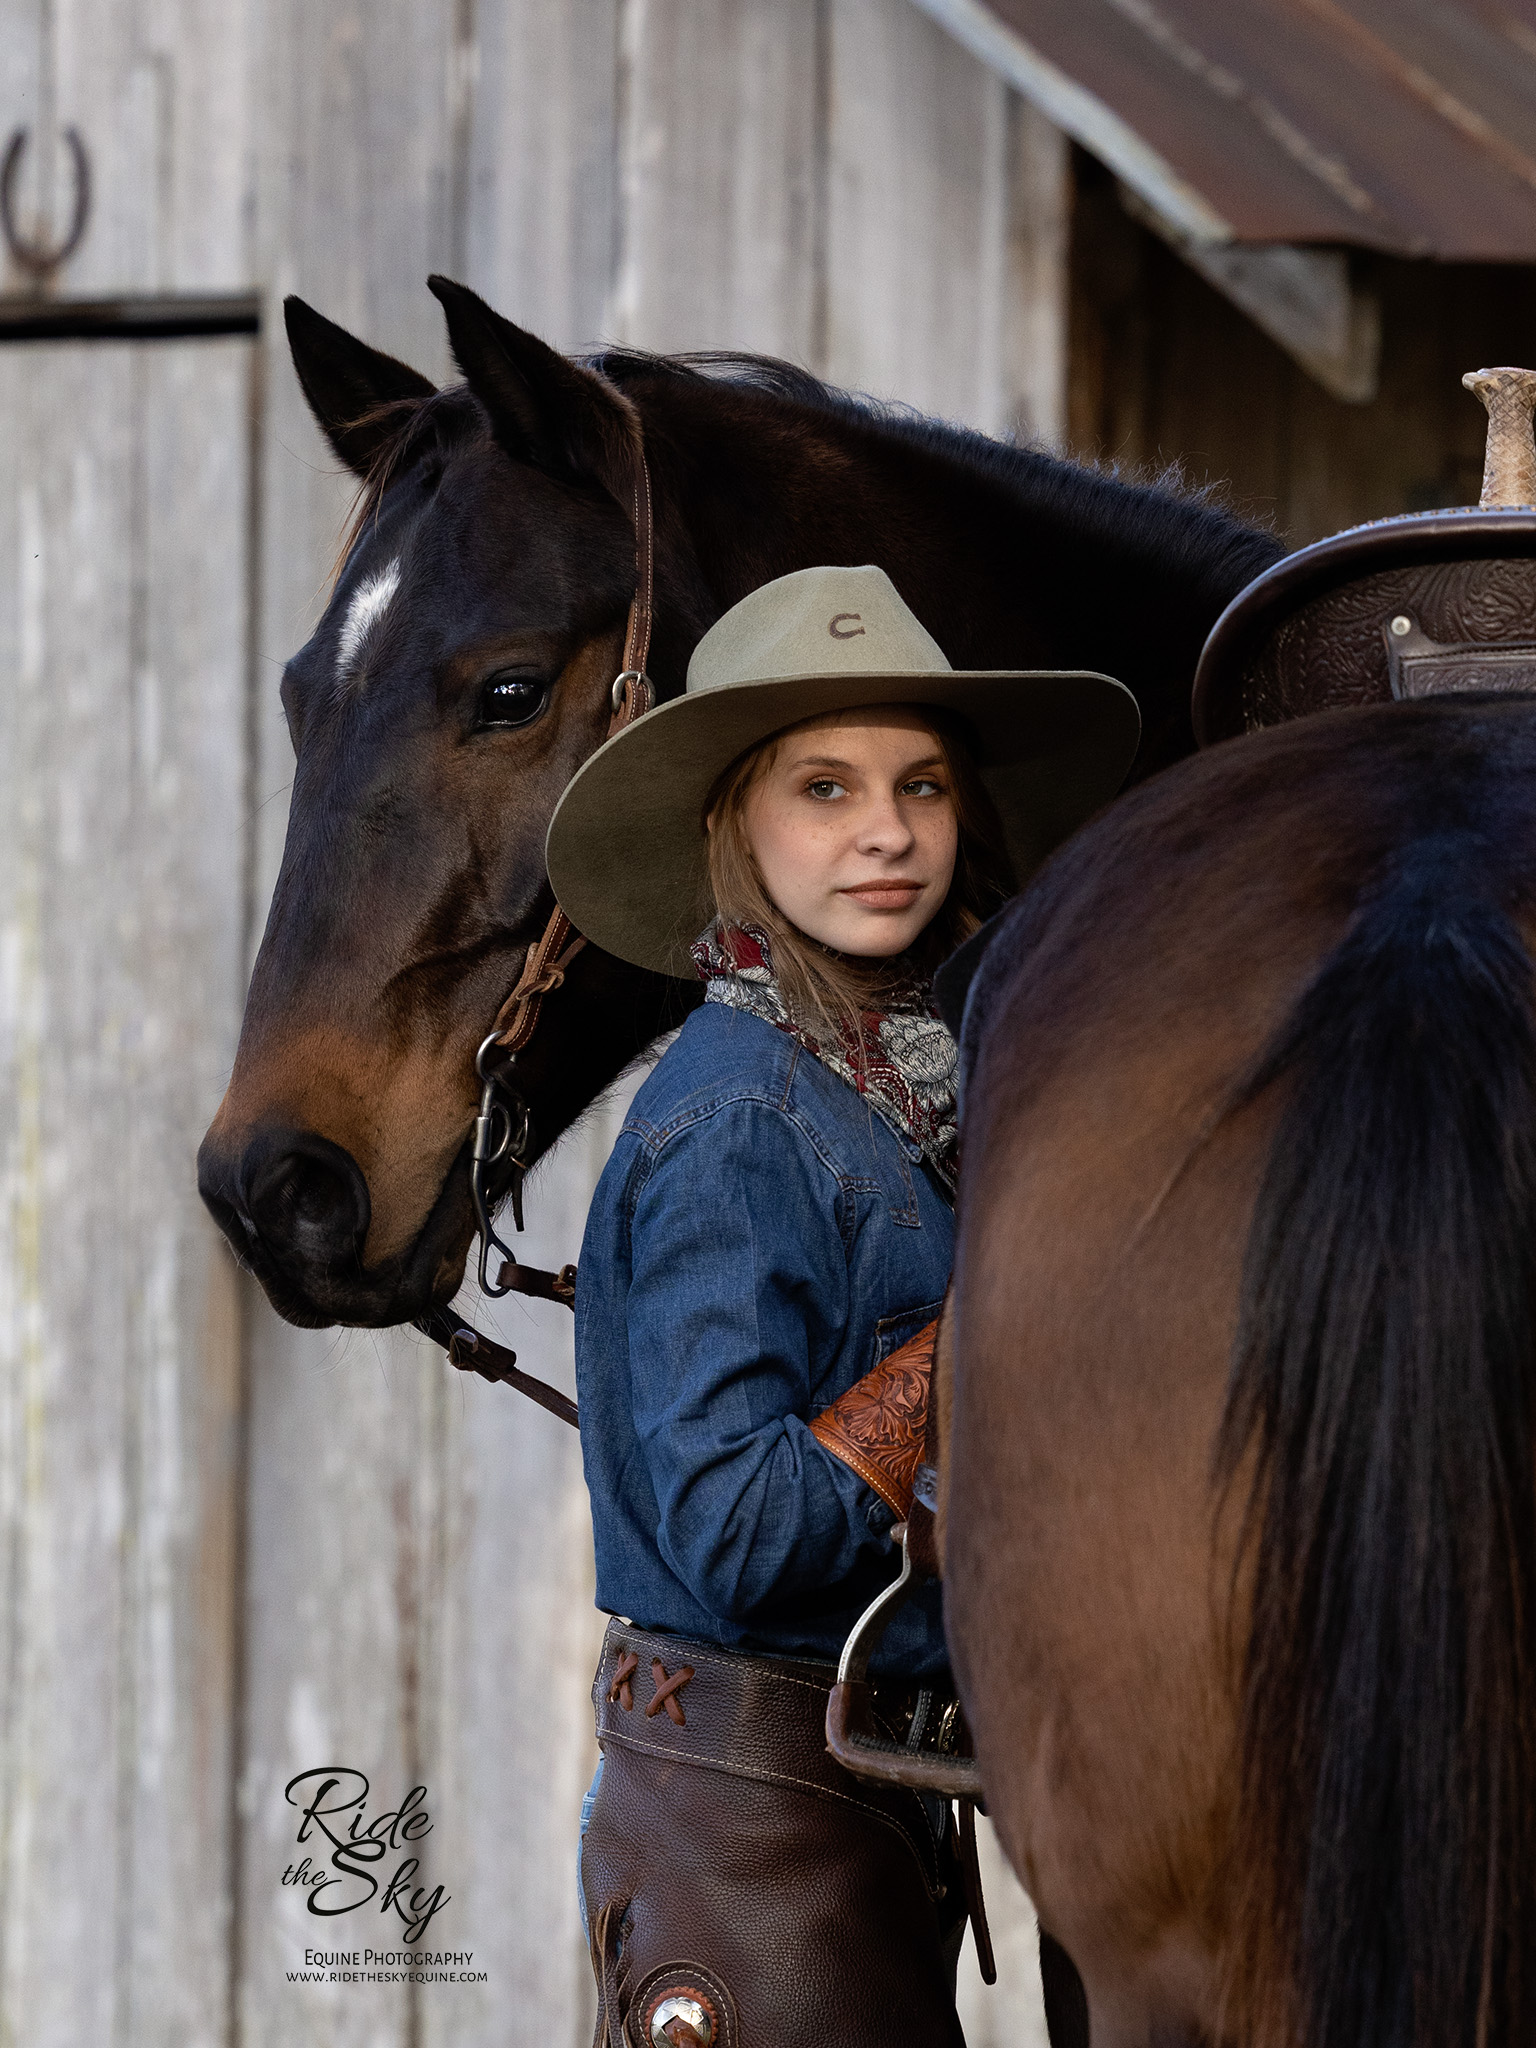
(841, 631)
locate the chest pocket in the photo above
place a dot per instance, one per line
(891, 1332)
(892, 1180)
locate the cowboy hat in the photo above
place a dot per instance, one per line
(627, 848)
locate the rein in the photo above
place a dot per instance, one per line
(504, 1125)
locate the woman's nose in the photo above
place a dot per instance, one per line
(883, 828)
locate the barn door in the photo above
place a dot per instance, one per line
(124, 550)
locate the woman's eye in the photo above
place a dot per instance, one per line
(922, 785)
(824, 788)
(512, 698)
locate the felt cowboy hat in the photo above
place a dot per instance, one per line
(627, 848)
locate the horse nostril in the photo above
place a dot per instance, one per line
(306, 1199)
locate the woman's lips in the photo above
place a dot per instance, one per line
(885, 895)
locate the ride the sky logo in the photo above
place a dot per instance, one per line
(342, 1869)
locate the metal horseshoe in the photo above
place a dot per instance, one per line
(28, 252)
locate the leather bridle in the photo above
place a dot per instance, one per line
(504, 1127)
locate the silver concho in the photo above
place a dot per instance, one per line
(690, 2012)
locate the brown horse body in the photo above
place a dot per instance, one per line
(1240, 1556)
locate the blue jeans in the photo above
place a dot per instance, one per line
(589, 1800)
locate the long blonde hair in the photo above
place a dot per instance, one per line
(827, 992)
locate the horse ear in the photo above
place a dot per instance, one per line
(545, 409)
(346, 383)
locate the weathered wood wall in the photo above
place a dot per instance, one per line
(233, 1550)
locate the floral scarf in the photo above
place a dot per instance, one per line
(906, 1067)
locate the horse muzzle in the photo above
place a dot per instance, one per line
(295, 1207)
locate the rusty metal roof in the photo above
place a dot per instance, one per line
(1401, 125)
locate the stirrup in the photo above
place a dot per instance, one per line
(852, 1736)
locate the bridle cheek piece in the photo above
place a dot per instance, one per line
(504, 1128)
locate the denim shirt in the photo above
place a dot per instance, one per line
(759, 1240)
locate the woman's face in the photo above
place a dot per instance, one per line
(853, 827)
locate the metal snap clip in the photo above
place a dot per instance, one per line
(503, 1128)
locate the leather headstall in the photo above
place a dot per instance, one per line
(504, 1126)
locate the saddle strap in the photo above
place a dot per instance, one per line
(970, 1876)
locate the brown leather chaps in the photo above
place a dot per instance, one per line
(744, 1890)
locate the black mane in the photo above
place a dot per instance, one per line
(1116, 573)
(1164, 518)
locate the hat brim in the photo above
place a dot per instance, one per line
(627, 850)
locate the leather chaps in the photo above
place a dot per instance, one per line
(743, 1889)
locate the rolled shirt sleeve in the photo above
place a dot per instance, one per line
(737, 1306)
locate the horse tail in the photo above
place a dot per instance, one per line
(1383, 1402)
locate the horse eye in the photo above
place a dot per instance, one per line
(512, 698)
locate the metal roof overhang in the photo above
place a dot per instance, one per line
(1266, 137)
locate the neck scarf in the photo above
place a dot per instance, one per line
(905, 1067)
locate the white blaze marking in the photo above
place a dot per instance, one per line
(369, 603)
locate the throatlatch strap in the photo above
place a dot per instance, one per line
(543, 971)
(637, 638)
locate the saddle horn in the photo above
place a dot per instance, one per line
(1509, 467)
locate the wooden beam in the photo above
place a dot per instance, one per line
(1304, 299)
(1080, 114)
(163, 316)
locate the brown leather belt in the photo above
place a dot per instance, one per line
(759, 1717)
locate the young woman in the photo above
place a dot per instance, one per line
(826, 812)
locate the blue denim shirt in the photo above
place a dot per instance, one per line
(759, 1240)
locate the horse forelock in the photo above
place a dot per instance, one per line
(424, 427)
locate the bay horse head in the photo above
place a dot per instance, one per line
(461, 673)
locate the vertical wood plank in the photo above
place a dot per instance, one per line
(122, 519)
(946, 228)
(541, 227)
(1032, 319)
(918, 169)
(517, 1644)
(719, 176)
(363, 123)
